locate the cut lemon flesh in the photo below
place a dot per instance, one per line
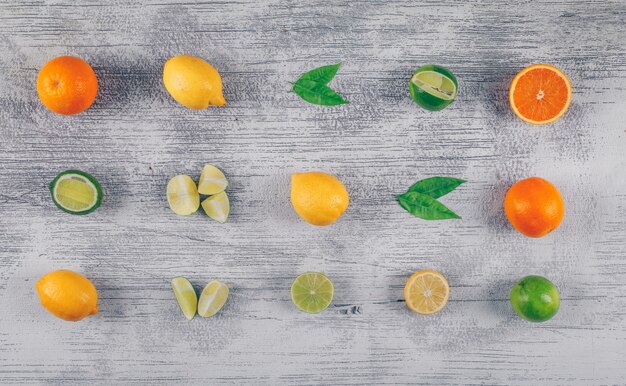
(186, 296)
(217, 207)
(436, 84)
(426, 292)
(212, 181)
(212, 298)
(182, 195)
(76, 192)
(312, 292)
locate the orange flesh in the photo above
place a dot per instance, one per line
(540, 95)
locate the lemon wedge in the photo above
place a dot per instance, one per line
(182, 195)
(212, 181)
(212, 298)
(186, 296)
(217, 207)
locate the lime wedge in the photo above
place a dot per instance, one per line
(212, 298)
(217, 207)
(182, 195)
(186, 296)
(212, 181)
(436, 84)
(312, 292)
(76, 192)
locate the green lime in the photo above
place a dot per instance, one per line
(433, 87)
(312, 292)
(535, 298)
(186, 296)
(76, 192)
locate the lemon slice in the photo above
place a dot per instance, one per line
(182, 195)
(426, 292)
(436, 84)
(212, 298)
(76, 192)
(312, 292)
(217, 207)
(186, 296)
(212, 181)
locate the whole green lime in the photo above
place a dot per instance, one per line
(535, 298)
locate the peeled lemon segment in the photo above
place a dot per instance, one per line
(217, 207)
(186, 296)
(182, 195)
(312, 292)
(76, 192)
(212, 298)
(212, 181)
(435, 84)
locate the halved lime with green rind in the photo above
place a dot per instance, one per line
(312, 292)
(76, 192)
(433, 87)
(212, 298)
(186, 296)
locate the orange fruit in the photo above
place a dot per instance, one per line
(318, 198)
(67, 85)
(534, 207)
(67, 295)
(540, 94)
(426, 292)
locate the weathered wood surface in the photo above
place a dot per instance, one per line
(135, 138)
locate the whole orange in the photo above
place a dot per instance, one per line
(534, 207)
(67, 85)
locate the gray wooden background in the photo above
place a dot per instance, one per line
(135, 137)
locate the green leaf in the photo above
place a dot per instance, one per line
(317, 93)
(425, 207)
(436, 187)
(322, 74)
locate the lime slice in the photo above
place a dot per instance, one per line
(217, 207)
(212, 181)
(182, 195)
(312, 292)
(76, 192)
(212, 298)
(186, 296)
(436, 84)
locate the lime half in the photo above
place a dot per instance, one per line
(433, 87)
(186, 296)
(212, 298)
(76, 192)
(312, 292)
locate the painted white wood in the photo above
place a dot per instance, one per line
(136, 137)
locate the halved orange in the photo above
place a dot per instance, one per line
(426, 292)
(540, 94)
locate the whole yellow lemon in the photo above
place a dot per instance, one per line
(193, 82)
(67, 295)
(319, 198)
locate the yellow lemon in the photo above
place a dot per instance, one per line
(67, 295)
(193, 82)
(319, 198)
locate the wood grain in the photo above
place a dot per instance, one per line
(135, 138)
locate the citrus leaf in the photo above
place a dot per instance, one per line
(322, 74)
(317, 93)
(425, 207)
(436, 187)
